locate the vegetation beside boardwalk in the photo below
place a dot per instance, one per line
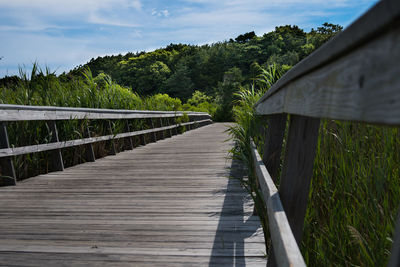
(355, 190)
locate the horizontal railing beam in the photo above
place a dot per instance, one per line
(286, 250)
(354, 77)
(7, 152)
(29, 113)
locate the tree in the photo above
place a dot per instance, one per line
(243, 38)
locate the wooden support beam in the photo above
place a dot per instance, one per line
(285, 248)
(90, 157)
(56, 161)
(113, 150)
(7, 166)
(162, 132)
(170, 130)
(272, 156)
(273, 144)
(297, 170)
(128, 140)
(176, 128)
(154, 135)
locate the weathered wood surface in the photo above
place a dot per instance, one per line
(24, 113)
(168, 203)
(6, 163)
(286, 251)
(297, 170)
(353, 77)
(15, 151)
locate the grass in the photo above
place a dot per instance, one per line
(44, 88)
(355, 191)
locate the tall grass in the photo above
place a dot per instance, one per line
(355, 195)
(355, 191)
(43, 87)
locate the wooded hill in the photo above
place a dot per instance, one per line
(180, 69)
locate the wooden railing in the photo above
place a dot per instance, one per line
(167, 121)
(354, 77)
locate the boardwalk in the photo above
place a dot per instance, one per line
(165, 204)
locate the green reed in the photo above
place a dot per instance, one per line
(44, 88)
(355, 191)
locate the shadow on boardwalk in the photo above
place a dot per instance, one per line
(236, 223)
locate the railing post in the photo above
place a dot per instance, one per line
(176, 127)
(143, 139)
(297, 170)
(128, 140)
(56, 162)
(162, 132)
(170, 130)
(154, 135)
(189, 126)
(273, 143)
(90, 157)
(271, 157)
(7, 166)
(113, 150)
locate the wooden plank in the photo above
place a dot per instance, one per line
(361, 85)
(375, 29)
(121, 210)
(297, 170)
(371, 24)
(286, 250)
(24, 113)
(56, 162)
(7, 166)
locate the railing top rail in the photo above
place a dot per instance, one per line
(19, 112)
(354, 76)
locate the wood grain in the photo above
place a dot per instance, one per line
(286, 251)
(168, 203)
(7, 152)
(298, 169)
(362, 85)
(24, 113)
(7, 166)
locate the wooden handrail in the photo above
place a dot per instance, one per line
(28, 113)
(9, 113)
(282, 236)
(353, 77)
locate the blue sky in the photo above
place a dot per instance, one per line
(62, 34)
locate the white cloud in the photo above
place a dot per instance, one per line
(165, 13)
(98, 19)
(136, 4)
(160, 13)
(66, 33)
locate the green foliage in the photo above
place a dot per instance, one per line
(355, 195)
(355, 190)
(200, 102)
(162, 102)
(179, 70)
